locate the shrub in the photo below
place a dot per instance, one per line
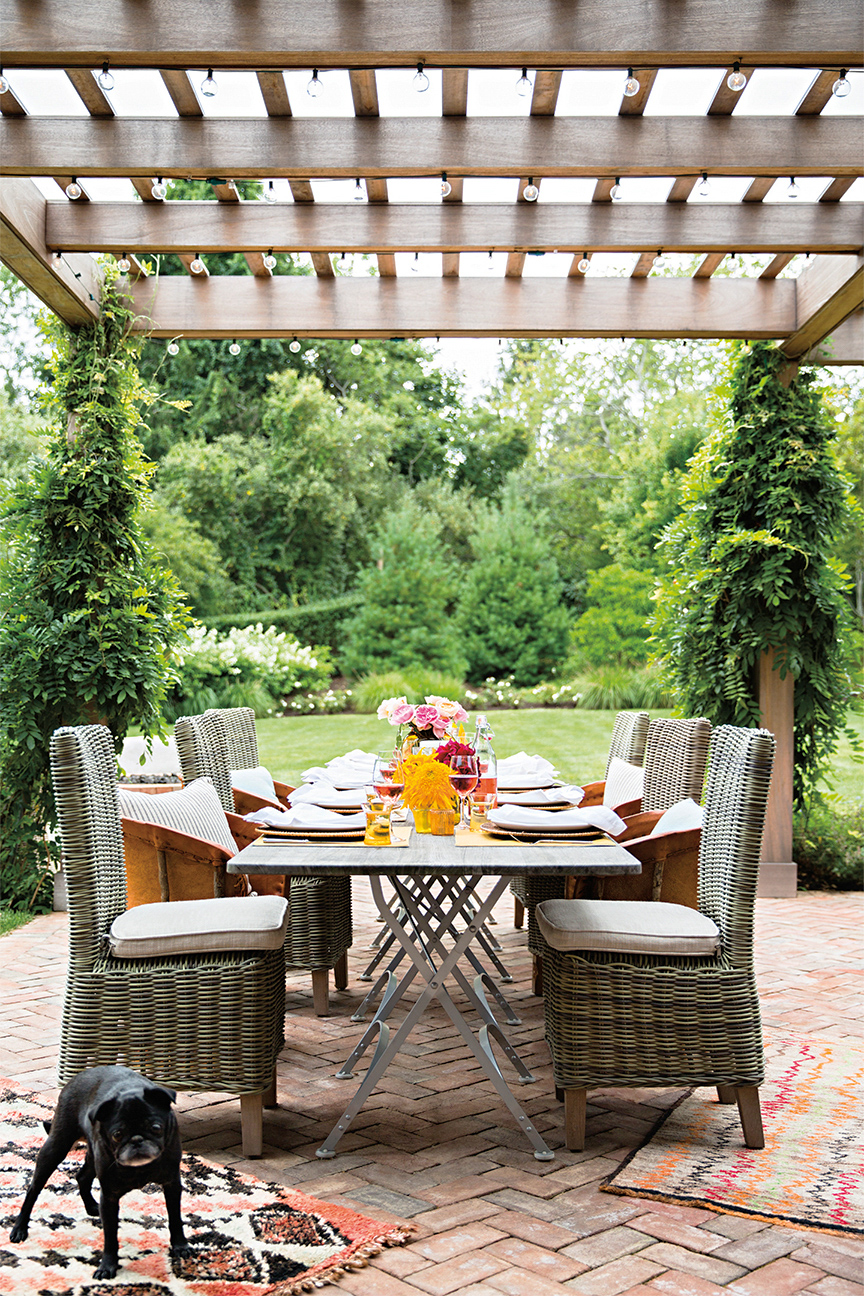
(613, 688)
(614, 626)
(329, 703)
(414, 684)
(828, 845)
(319, 623)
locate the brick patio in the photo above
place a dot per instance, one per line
(436, 1147)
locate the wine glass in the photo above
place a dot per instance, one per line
(464, 773)
(388, 777)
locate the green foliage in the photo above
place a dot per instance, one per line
(88, 617)
(510, 610)
(193, 558)
(751, 567)
(828, 846)
(608, 688)
(319, 623)
(414, 684)
(407, 592)
(614, 627)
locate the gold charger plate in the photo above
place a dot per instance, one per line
(505, 799)
(537, 834)
(319, 834)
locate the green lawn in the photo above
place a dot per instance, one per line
(577, 741)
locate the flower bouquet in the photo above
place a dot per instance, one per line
(431, 721)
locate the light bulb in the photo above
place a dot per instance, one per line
(659, 261)
(582, 266)
(736, 79)
(841, 86)
(793, 191)
(530, 193)
(269, 260)
(704, 186)
(270, 192)
(173, 347)
(631, 85)
(234, 348)
(294, 346)
(315, 85)
(159, 188)
(208, 85)
(105, 78)
(523, 85)
(359, 195)
(196, 265)
(616, 193)
(356, 348)
(421, 80)
(446, 187)
(4, 84)
(73, 189)
(415, 264)
(490, 264)
(124, 265)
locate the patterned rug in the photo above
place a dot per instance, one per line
(810, 1170)
(250, 1238)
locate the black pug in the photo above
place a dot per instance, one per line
(132, 1140)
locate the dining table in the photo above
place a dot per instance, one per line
(436, 914)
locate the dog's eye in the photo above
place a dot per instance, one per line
(156, 1127)
(117, 1136)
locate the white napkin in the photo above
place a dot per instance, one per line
(522, 817)
(323, 793)
(570, 795)
(523, 770)
(305, 816)
(352, 770)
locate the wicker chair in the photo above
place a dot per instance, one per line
(628, 743)
(319, 927)
(208, 1021)
(663, 1016)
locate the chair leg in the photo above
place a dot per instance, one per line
(269, 1097)
(518, 913)
(537, 975)
(751, 1115)
(574, 1119)
(340, 971)
(252, 1124)
(726, 1094)
(321, 991)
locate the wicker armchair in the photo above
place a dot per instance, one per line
(319, 927)
(671, 1014)
(628, 744)
(207, 1021)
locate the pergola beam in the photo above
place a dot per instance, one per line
(228, 306)
(66, 285)
(339, 147)
(826, 295)
(246, 226)
(448, 33)
(844, 345)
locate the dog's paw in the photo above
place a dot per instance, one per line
(182, 1250)
(92, 1208)
(19, 1233)
(106, 1269)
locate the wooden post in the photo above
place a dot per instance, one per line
(778, 875)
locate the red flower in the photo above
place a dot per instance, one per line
(452, 748)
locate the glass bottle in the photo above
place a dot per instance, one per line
(487, 784)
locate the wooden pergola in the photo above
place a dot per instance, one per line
(47, 241)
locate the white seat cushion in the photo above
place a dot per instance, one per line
(627, 926)
(680, 817)
(257, 782)
(199, 927)
(196, 810)
(623, 782)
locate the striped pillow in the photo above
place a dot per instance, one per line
(623, 782)
(196, 810)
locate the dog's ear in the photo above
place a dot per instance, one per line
(103, 1112)
(160, 1095)
(46, 1125)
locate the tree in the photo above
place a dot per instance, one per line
(614, 626)
(750, 566)
(408, 594)
(511, 610)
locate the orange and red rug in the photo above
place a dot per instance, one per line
(809, 1172)
(250, 1238)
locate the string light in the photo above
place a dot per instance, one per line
(73, 189)
(415, 264)
(446, 187)
(315, 85)
(631, 85)
(269, 260)
(196, 265)
(105, 78)
(270, 193)
(523, 85)
(208, 85)
(124, 265)
(736, 79)
(490, 264)
(234, 348)
(294, 345)
(421, 80)
(159, 188)
(704, 186)
(660, 261)
(173, 347)
(841, 86)
(616, 193)
(582, 266)
(356, 348)
(530, 193)
(793, 191)
(4, 84)
(358, 191)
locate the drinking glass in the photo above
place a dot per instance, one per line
(463, 779)
(388, 777)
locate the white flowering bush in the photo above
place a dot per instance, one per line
(244, 666)
(328, 703)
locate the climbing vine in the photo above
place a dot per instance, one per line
(88, 615)
(750, 566)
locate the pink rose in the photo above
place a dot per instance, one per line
(425, 717)
(402, 714)
(460, 715)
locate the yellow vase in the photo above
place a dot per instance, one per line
(442, 823)
(421, 821)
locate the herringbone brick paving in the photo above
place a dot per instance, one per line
(435, 1145)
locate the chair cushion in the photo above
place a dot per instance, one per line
(626, 926)
(258, 782)
(680, 817)
(196, 811)
(623, 782)
(199, 927)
